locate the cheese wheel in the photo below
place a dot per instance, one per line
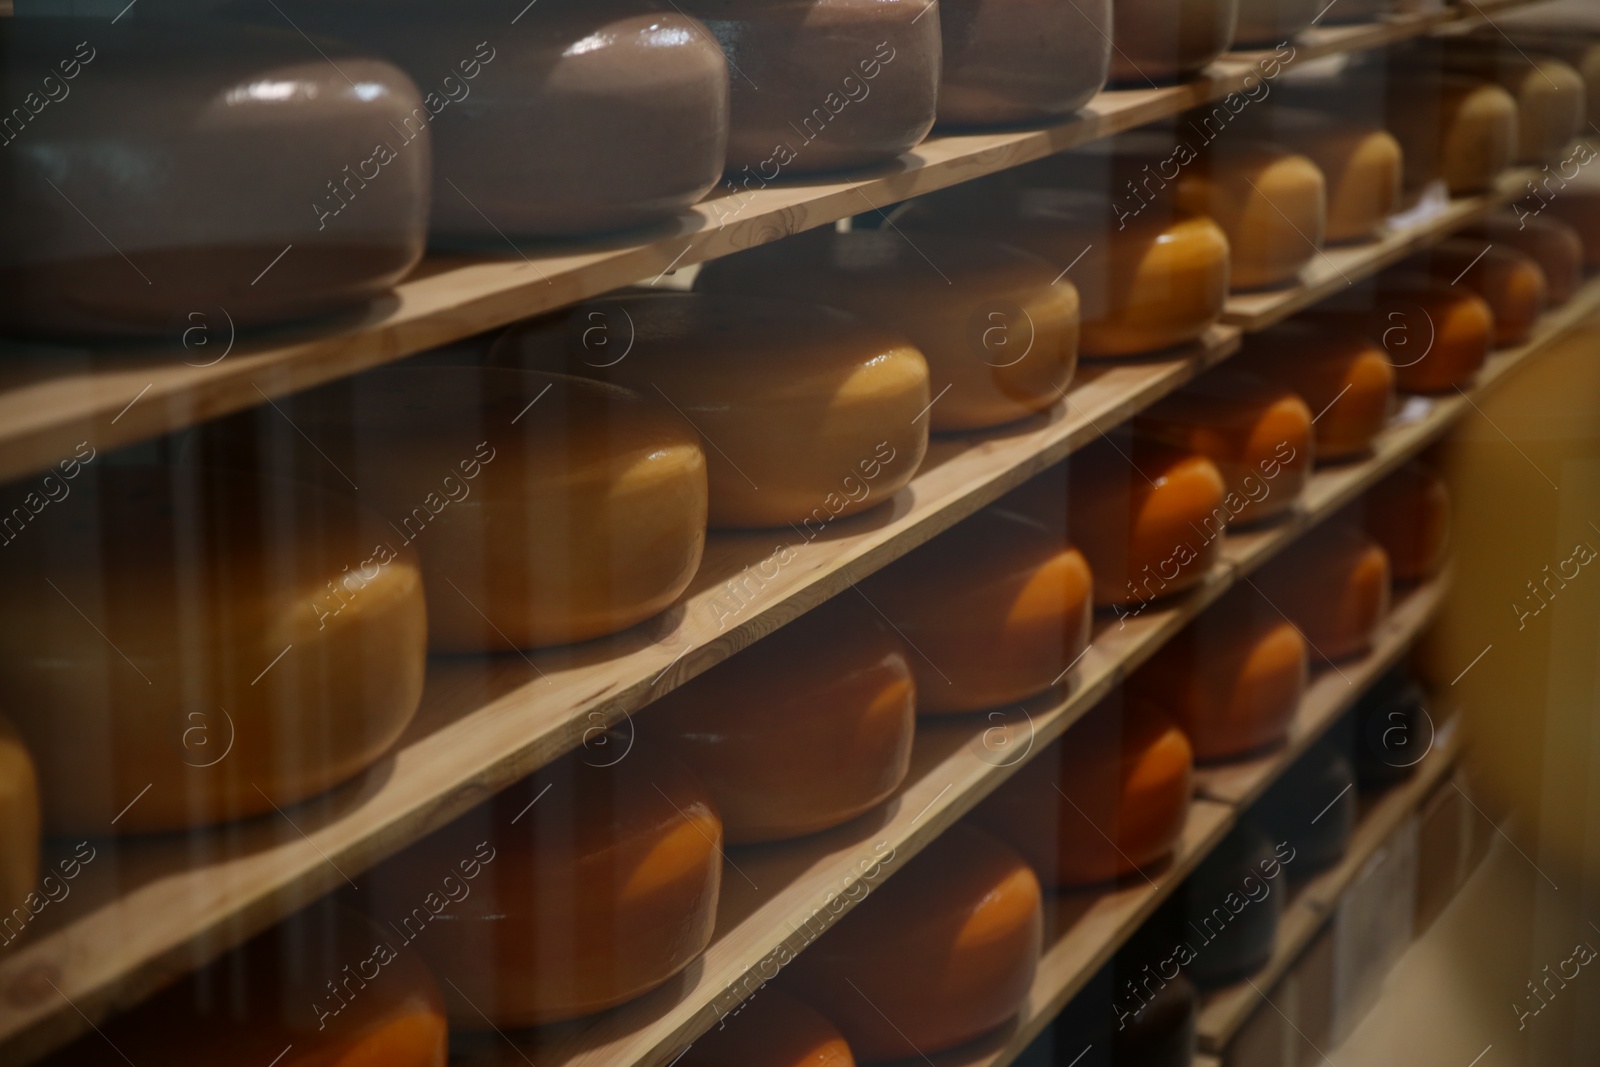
(1578, 207)
(541, 517)
(1014, 61)
(1358, 11)
(1362, 165)
(1458, 129)
(1232, 679)
(1391, 730)
(801, 73)
(1408, 513)
(1161, 1033)
(839, 435)
(1268, 22)
(1553, 244)
(1346, 379)
(1509, 281)
(1333, 584)
(1572, 43)
(19, 827)
(1165, 40)
(324, 987)
(1313, 807)
(1550, 94)
(1231, 906)
(938, 955)
(995, 610)
(594, 884)
(1258, 434)
(207, 643)
(1109, 798)
(997, 325)
(1436, 335)
(807, 729)
(771, 1029)
(1272, 204)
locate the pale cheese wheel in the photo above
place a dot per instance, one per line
(771, 1029)
(797, 403)
(1551, 96)
(1436, 335)
(998, 327)
(1509, 281)
(1348, 380)
(1362, 164)
(1577, 46)
(935, 957)
(1333, 584)
(1016, 61)
(192, 645)
(595, 881)
(1408, 513)
(1554, 245)
(1271, 202)
(19, 829)
(1165, 40)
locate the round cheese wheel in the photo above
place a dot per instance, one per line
(547, 509)
(801, 73)
(586, 885)
(1408, 513)
(1579, 208)
(1460, 129)
(771, 1029)
(1573, 44)
(1232, 678)
(1109, 798)
(1436, 335)
(19, 825)
(1333, 585)
(839, 435)
(1313, 807)
(1272, 204)
(324, 987)
(1551, 95)
(1165, 40)
(998, 327)
(1509, 281)
(995, 610)
(190, 646)
(1391, 730)
(1161, 1032)
(1348, 380)
(1362, 165)
(807, 729)
(1268, 22)
(938, 955)
(1257, 433)
(1015, 61)
(1231, 906)
(1554, 245)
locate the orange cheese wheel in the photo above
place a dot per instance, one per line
(995, 610)
(573, 891)
(1272, 203)
(1436, 334)
(1408, 513)
(207, 643)
(938, 955)
(849, 395)
(1333, 584)
(1509, 281)
(998, 326)
(1257, 433)
(1163, 40)
(771, 1029)
(1346, 379)
(1550, 94)
(326, 987)
(19, 826)
(1109, 798)
(1579, 207)
(1232, 679)
(542, 517)
(1362, 165)
(1553, 244)
(804, 730)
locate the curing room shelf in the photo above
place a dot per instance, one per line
(51, 398)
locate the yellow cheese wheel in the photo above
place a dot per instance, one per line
(1362, 164)
(19, 827)
(1578, 207)
(804, 730)
(941, 953)
(191, 646)
(1460, 129)
(1163, 40)
(771, 1029)
(1346, 379)
(1554, 245)
(325, 988)
(1258, 434)
(1408, 513)
(796, 403)
(1109, 798)
(1271, 202)
(546, 508)
(995, 610)
(1435, 334)
(1333, 584)
(1232, 678)
(1509, 281)
(577, 889)
(1551, 96)
(998, 327)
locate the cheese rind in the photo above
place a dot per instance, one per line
(19, 828)
(1362, 165)
(1554, 245)
(1435, 335)
(1509, 281)
(771, 1029)
(1165, 40)
(1333, 585)
(1015, 61)
(1272, 204)
(1408, 513)
(1346, 379)
(1550, 94)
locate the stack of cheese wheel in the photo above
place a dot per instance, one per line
(546, 509)
(848, 404)
(1232, 679)
(1553, 244)
(1362, 165)
(592, 884)
(19, 828)
(771, 1029)
(1014, 61)
(1259, 435)
(325, 986)
(1313, 807)
(1408, 513)
(1436, 335)
(1333, 584)
(935, 957)
(1232, 907)
(1165, 40)
(803, 70)
(1392, 731)
(997, 609)
(999, 327)
(809, 728)
(1550, 95)
(1509, 281)
(1345, 378)
(211, 644)
(1108, 799)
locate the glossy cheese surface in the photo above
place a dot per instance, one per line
(1011, 61)
(1408, 513)
(19, 826)
(997, 325)
(771, 1029)
(1165, 40)
(806, 729)
(218, 643)
(807, 412)
(1363, 166)
(1509, 281)
(1272, 204)
(1333, 584)
(584, 897)
(1126, 772)
(996, 609)
(1554, 245)
(1346, 379)
(1436, 335)
(940, 954)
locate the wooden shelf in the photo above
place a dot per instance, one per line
(51, 398)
